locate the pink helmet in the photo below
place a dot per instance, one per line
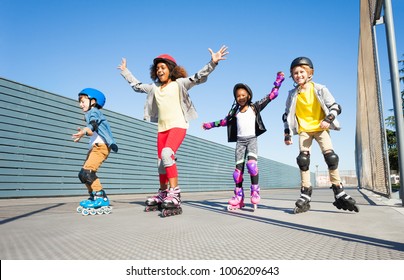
(164, 58)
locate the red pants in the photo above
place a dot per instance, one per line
(172, 139)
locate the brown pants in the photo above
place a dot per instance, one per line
(324, 141)
(95, 157)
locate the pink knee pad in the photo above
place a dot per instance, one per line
(252, 167)
(237, 176)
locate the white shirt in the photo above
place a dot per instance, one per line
(95, 139)
(246, 123)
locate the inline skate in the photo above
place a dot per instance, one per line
(98, 205)
(84, 202)
(237, 201)
(154, 203)
(303, 202)
(255, 196)
(172, 203)
(342, 199)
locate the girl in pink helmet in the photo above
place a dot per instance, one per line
(169, 105)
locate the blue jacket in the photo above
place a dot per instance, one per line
(102, 128)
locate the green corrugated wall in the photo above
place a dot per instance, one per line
(39, 158)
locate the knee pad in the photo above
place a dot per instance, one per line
(303, 160)
(331, 159)
(167, 156)
(238, 176)
(160, 167)
(87, 176)
(252, 167)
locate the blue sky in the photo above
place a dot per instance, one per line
(64, 46)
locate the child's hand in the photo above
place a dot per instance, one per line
(324, 125)
(280, 77)
(220, 55)
(207, 126)
(288, 138)
(77, 136)
(288, 142)
(122, 66)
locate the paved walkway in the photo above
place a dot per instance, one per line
(50, 229)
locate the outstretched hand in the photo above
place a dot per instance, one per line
(77, 136)
(207, 126)
(122, 66)
(220, 55)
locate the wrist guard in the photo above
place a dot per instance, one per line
(329, 118)
(288, 137)
(279, 79)
(208, 125)
(277, 84)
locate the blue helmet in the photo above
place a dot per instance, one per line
(94, 94)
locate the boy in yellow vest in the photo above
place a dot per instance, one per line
(311, 112)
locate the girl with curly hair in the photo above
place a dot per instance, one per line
(169, 105)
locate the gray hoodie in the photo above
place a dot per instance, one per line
(188, 109)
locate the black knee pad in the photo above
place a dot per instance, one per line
(331, 159)
(87, 176)
(303, 160)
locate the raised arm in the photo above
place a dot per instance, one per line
(209, 125)
(219, 55)
(280, 77)
(122, 66)
(132, 80)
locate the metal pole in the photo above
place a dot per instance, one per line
(395, 85)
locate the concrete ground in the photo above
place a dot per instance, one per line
(50, 229)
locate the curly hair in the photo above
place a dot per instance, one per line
(176, 71)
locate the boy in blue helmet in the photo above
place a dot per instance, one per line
(100, 145)
(244, 125)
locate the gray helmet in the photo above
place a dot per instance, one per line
(244, 86)
(301, 61)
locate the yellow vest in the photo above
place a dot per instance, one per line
(309, 113)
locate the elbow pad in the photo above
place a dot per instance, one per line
(94, 125)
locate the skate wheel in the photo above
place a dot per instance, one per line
(85, 212)
(107, 210)
(180, 211)
(150, 208)
(356, 208)
(79, 209)
(255, 207)
(93, 212)
(164, 213)
(337, 204)
(100, 211)
(229, 208)
(298, 210)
